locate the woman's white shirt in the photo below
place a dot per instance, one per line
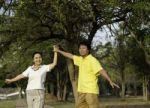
(36, 79)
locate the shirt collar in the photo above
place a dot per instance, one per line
(32, 67)
(88, 56)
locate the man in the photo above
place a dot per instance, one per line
(89, 70)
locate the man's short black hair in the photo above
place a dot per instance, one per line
(85, 43)
(36, 53)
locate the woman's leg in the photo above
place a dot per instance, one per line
(30, 99)
(39, 99)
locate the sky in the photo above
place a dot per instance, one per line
(102, 36)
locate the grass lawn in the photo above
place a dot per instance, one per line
(7, 104)
(63, 105)
(104, 103)
(11, 104)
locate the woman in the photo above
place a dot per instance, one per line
(36, 77)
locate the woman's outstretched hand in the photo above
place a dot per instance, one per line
(8, 81)
(55, 48)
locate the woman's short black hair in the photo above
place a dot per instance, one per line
(36, 53)
(85, 43)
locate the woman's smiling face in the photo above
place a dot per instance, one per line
(37, 59)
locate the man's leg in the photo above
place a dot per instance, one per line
(92, 100)
(81, 102)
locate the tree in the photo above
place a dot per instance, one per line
(70, 20)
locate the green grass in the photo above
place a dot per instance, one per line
(11, 104)
(7, 104)
(63, 105)
(135, 102)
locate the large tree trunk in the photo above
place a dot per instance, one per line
(123, 85)
(58, 87)
(123, 90)
(62, 86)
(71, 47)
(72, 77)
(64, 93)
(135, 88)
(145, 89)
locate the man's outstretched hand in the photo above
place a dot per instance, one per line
(113, 85)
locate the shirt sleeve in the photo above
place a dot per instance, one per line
(76, 60)
(96, 66)
(26, 72)
(47, 68)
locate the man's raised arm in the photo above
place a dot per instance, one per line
(66, 54)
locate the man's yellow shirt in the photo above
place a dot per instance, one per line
(89, 69)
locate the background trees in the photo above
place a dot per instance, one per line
(30, 25)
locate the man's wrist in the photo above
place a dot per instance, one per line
(59, 51)
(110, 81)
